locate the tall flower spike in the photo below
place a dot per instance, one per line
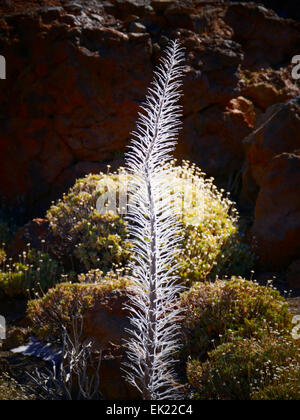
(153, 230)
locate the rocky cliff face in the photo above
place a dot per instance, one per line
(78, 71)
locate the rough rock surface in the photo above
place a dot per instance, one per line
(254, 28)
(105, 325)
(221, 155)
(37, 233)
(77, 72)
(268, 87)
(276, 228)
(277, 131)
(72, 87)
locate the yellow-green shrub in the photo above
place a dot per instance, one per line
(217, 312)
(92, 239)
(36, 271)
(249, 368)
(211, 241)
(2, 256)
(57, 307)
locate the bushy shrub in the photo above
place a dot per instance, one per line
(212, 244)
(217, 312)
(92, 239)
(249, 368)
(10, 390)
(57, 307)
(36, 271)
(117, 275)
(212, 241)
(2, 256)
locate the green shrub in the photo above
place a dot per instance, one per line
(216, 312)
(249, 368)
(212, 244)
(2, 256)
(57, 307)
(35, 272)
(91, 239)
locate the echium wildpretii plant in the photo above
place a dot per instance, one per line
(153, 230)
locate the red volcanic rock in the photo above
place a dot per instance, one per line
(21, 5)
(199, 17)
(254, 27)
(65, 104)
(73, 91)
(212, 75)
(107, 321)
(276, 229)
(214, 138)
(269, 87)
(76, 75)
(277, 131)
(105, 325)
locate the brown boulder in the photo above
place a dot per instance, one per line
(8, 6)
(199, 17)
(212, 72)
(107, 321)
(214, 138)
(37, 233)
(277, 131)
(15, 337)
(65, 100)
(276, 229)
(254, 27)
(105, 325)
(269, 87)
